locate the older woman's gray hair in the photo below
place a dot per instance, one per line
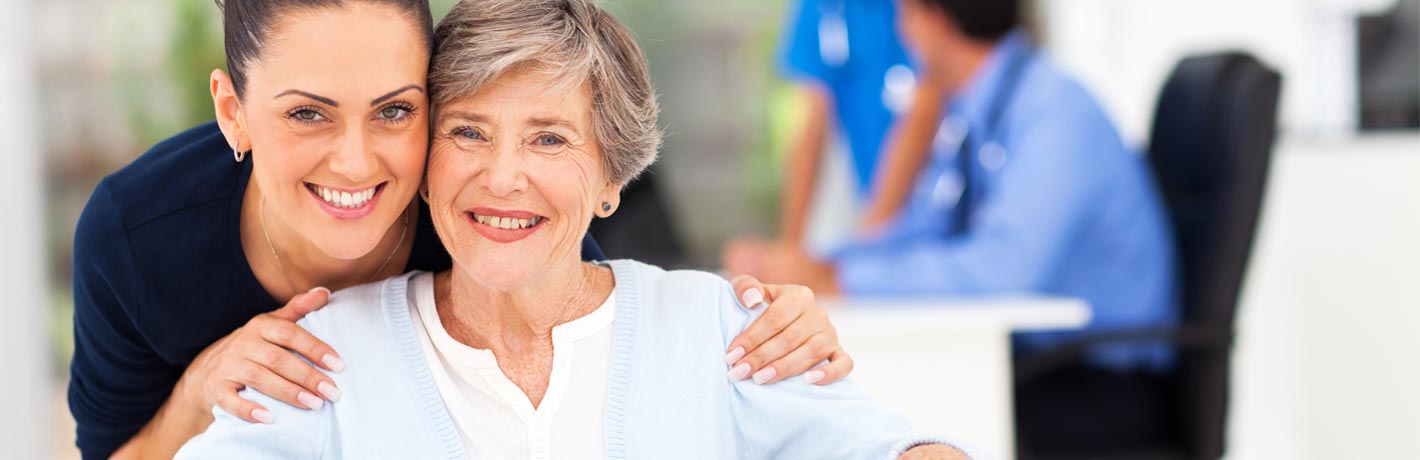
(480, 40)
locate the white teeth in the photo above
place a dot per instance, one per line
(344, 199)
(522, 223)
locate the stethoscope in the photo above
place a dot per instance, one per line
(989, 152)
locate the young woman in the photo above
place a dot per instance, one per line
(193, 263)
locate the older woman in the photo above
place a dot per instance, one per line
(544, 110)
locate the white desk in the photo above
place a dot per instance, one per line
(946, 364)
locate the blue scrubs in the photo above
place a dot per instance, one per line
(851, 47)
(1055, 204)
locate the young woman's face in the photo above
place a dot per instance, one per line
(335, 110)
(515, 176)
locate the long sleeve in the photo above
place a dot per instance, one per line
(294, 434)
(1018, 235)
(793, 419)
(117, 381)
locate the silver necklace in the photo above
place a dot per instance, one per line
(404, 232)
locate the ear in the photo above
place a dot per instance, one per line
(611, 196)
(230, 117)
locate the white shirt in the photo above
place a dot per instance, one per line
(493, 416)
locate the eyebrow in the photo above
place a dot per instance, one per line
(391, 94)
(545, 122)
(321, 99)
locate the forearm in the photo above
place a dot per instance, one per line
(802, 165)
(179, 419)
(907, 150)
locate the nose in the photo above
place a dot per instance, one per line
(504, 174)
(354, 158)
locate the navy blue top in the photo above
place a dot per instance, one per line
(160, 274)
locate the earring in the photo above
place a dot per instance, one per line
(606, 207)
(239, 155)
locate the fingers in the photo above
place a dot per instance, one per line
(749, 290)
(229, 401)
(293, 337)
(290, 379)
(839, 365)
(796, 359)
(303, 304)
(785, 304)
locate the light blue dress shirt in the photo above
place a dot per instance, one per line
(1059, 206)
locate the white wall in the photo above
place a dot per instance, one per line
(23, 389)
(1328, 355)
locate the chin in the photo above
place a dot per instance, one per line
(343, 245)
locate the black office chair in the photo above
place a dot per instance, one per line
(1212, 141)
(642, 227)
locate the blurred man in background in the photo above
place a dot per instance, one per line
(1026, 188)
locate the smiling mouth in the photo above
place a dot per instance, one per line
(343, 198)
(507, 223)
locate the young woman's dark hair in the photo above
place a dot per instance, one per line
(247, 24)
(982, 19)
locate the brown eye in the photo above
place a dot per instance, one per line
(307, 115)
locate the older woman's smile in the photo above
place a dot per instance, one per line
(346, 203)
(504, 226)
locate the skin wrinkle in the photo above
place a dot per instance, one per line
(507, 297)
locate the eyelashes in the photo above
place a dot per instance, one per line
(394, 113)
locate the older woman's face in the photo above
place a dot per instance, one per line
(515, 176)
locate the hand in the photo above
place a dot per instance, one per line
(746, 255)
(259, 355)
(933, 452)
(792, 336)
(779, 262)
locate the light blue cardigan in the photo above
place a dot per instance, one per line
(668, 394)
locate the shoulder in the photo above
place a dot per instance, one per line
(355, 318)
(684, 299)
(188, 169)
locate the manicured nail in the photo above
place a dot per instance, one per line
(328, 391)
(332, 362)
(764, 375)
(261, 415)
(753, 298)
(310, 400)
(321, 288)
(734, 355)
(813, 376)
(739, 372)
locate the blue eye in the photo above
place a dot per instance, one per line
(468, 133)
(548, 140)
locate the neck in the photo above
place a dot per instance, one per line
(520, 318)
(298, 265)
(959, 59)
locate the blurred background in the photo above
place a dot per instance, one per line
(1327, 359)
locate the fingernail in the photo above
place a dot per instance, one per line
(329, 391)
(332, 362)
(261, 415)
(321, 288)
(813, 376)
(734, 355)
(753, 297)
(764, 375)
(739, 372)
(310, 400)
